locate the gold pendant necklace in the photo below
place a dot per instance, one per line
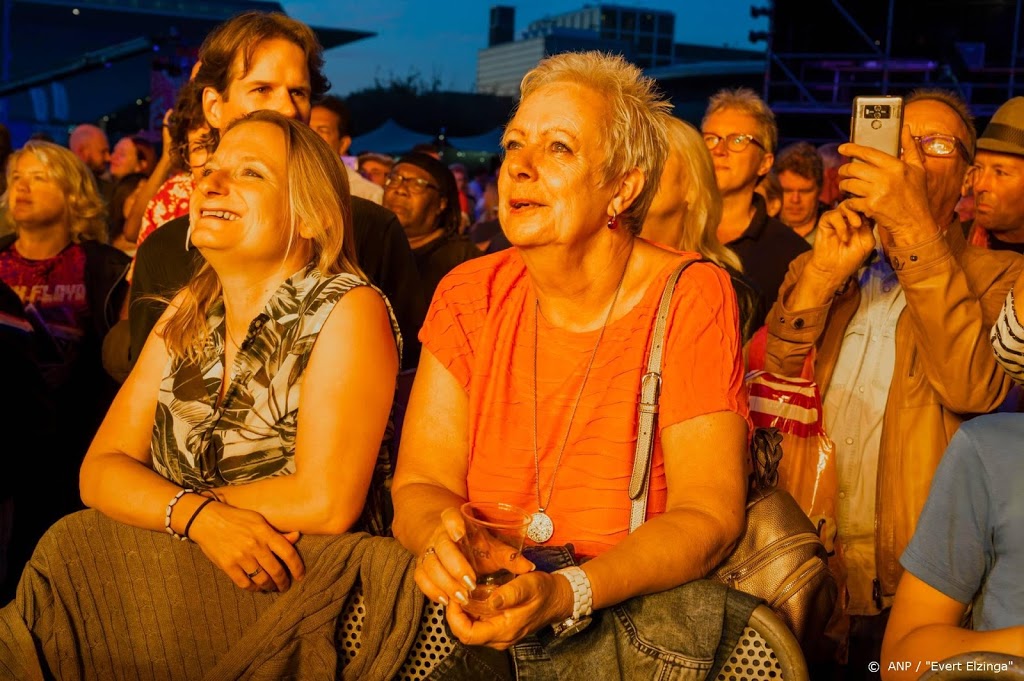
(541, 526)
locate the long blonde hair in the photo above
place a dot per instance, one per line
(697, 233)
(86, 211)
(318, 199)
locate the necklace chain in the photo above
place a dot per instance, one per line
(541, 507)
(227, 334)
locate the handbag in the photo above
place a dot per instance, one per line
(779, 557)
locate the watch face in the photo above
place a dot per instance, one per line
(570, 627)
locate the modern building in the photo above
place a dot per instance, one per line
(116, 63)
(644, 36)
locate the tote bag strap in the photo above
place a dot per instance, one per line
(650, 392)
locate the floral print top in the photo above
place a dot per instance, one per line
(250, 435)
(170, 201)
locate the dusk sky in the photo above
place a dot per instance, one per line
(442, 38)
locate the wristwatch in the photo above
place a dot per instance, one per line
(582, 602)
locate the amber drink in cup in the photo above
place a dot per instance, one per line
(494, 538)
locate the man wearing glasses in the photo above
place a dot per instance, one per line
(421, 191)
(894, 310)
(739, 130)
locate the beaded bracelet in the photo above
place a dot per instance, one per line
(188, 525)
(170, 508)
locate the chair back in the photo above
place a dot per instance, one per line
(766, 650)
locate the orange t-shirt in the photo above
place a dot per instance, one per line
(481, 327)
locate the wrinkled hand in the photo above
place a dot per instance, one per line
(891, 191)
(241, 542)
(443, 573)
(843, 242)
(526, 604)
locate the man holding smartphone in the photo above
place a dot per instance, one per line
(896, 309)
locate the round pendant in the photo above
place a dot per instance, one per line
(541, 528)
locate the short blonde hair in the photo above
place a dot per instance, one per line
(747, 101)
(698, 233)
(86, 211)
(635, 133)
(318, 199)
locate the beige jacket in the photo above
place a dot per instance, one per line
(945, 369)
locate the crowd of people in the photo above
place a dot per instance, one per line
(213, 338)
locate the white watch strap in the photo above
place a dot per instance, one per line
(582, 593)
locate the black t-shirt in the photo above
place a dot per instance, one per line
(163, 267)
(441, 256)
(765, 249)
(1000, 245)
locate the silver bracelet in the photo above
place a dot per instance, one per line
(170, 508)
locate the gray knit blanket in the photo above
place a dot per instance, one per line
(103, 600)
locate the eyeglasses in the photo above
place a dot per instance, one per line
(197, 153)
(415, 185)
(941, 146)
(733, 141)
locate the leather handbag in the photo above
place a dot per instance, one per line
(779, 557)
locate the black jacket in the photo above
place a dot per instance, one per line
(163, 267)
(766, 248)
(68, 414)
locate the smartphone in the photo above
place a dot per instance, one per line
(877, 122)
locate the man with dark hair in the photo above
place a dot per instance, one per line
(423, 194)
(801, 173)
(332, 120)
(260, 60)
(997, 180)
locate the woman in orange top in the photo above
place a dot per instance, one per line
(528, 386)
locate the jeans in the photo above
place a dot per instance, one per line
(683, 633)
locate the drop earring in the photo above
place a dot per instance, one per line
(613, 221)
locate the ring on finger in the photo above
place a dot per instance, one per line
(255, 572)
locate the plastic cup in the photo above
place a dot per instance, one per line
(495, 533)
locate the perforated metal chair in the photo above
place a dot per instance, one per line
(766, 650)
(430, 647)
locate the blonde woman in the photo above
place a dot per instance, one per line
(255, 414)
(69, 288)
(527, 392)
(686, 211)
(237, 394)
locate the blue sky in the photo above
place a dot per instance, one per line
(442, 38)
